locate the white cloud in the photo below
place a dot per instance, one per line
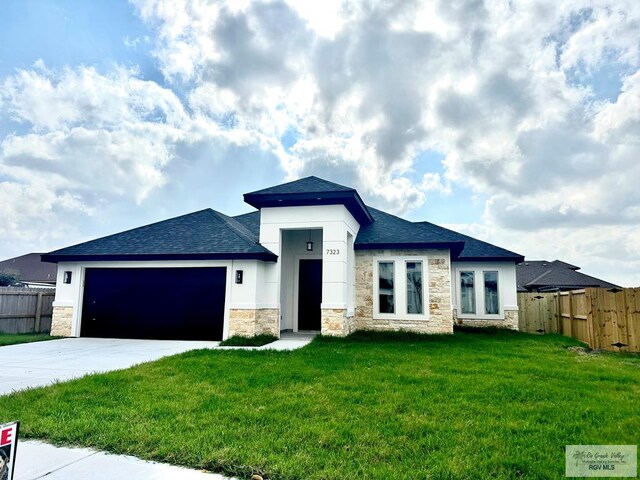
(507, 91)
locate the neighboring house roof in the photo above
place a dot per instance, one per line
(208, 234)
(311, 191)
(541, 275)
(30, 268)
(205, 235)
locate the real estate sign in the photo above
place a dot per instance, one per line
(8, 444)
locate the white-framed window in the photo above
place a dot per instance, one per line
(415, 291)
(491, 294)
(478, 293)
(399, 288)
(467, 292)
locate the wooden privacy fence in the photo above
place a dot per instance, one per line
(26, 310)
(605, 319)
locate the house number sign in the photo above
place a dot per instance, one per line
(333, 251)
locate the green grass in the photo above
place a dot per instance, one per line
(15, 338)
(256, 341)
(490, 405)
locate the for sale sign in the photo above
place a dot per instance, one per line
(8, 444)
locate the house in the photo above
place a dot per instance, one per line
(30, 270)
(543, 276)
(311, 257)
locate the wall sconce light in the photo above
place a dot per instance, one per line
(67, 277)
(309, 243)
(239, 276)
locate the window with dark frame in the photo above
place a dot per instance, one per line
(386, 288)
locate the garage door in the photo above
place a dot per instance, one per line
(155, 303)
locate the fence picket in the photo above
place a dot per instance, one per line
(599, 317)
(25, 310)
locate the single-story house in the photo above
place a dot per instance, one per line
(311, 257)
(30, 270)
(543, 276)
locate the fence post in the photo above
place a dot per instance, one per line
(570, 313)
(36, 326)
(588, 300)
(559, 327)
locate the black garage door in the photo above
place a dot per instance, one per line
(158, 303)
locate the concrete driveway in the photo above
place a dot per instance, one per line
(42, 363)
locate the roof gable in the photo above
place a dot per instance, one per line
(310, 191)
(205, 234)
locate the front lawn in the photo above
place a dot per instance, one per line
(493, 405)
(255, 341)
(15, 338)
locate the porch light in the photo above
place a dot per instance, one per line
(309, 243)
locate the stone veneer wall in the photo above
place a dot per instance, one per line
(336, 323)
(61, 321)
(439, 294)
(250, 322)
(510, 321)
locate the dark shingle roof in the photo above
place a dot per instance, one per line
(251, 221)
(30, 268)
(390, 232)
(205, 234)
(539, 275)
(304, 185)
(310, 191)
(475, 249)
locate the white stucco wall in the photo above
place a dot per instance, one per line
(507, 291)
(295, 248)
(237, 296)
(336, 222)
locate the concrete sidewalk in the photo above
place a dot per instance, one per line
(36, 460)
(287, 341)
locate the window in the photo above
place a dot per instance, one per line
(491, 304)
(386, 294)
(479, 299)
(414, 287)
(400, 288)
(467, 293)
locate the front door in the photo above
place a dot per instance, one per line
(309, 294)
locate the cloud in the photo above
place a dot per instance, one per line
(508, 92)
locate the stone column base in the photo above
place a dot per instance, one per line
(336, 323)
(61, 321)
(250, 322)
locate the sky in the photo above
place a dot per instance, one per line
(515, 121)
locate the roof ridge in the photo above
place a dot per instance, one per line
(141, 227)
(466, 236)
(239, 229)
(543, 274)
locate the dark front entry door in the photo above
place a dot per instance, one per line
(160, 303)
(309, 294)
